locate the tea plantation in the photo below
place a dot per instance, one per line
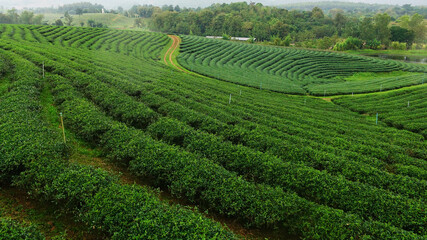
(262, 159)
(290, 70)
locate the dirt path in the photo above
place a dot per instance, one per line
(169, 54)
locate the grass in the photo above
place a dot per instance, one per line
(49, 110)
(361, 76)
(409, 53)
(114, 21)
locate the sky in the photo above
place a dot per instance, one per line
(113, 4)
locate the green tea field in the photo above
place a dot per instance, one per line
(295, 71)
(227, 141)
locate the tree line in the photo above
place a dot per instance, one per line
(282, 27)
(26, 17)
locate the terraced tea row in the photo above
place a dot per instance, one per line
(95, 197)
(128, 42)
(404, 109)
(289, 70)
(95, 133)
(265, 159)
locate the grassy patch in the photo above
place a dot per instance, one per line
(361, 76)
(49, 111)
(115, 21)
(409, 53)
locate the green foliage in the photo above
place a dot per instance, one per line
(71, 187)
(349, 44)
(68, 18)
(145, 217)
(58, 22)
(264, 159)
(373, 44)
(289, 70)
(399, 34)
(398, 46)
(11, 230)
(226, 36)
(287, 41)
(21, 122)
(416, 24)
(400, 108)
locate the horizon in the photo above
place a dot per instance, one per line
(110, 4)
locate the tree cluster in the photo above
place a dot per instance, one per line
(13, 17)
(73, 8)
(305, 28)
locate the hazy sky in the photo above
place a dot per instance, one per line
(109, 4)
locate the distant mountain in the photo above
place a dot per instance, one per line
(326, 6)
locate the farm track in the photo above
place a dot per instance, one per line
(195, 115)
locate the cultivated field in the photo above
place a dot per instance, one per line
(294, 71)
(253, 158)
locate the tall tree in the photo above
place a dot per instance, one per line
(317, 13)
(417, 25)
(367, 29)
(26, 17)
(58, 22)
(382, 32)
(339, 21)
(38, 19)
(400, 34)
(79, 11)
(68, 19)
(13, 15)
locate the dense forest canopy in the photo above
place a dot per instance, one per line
(276, 24)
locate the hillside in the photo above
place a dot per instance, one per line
(114, 21)
(203, 157)
(292, 70)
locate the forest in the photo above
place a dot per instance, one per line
(312, 29)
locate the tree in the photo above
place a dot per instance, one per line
(26, 17)
(400, 34)
(5, 19)
(38, 19)
(287, 41)
(91, 23)
(414, 23)
(58, 22)
(373, 44)
(404, 21)
(139, 22)
(339, 21)
(79, 11)
(367, 29)
(13, 15)
(280, 29)
(317, 13)
(68, 19)
(417, 25)
(350, 43)
(382, 31)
